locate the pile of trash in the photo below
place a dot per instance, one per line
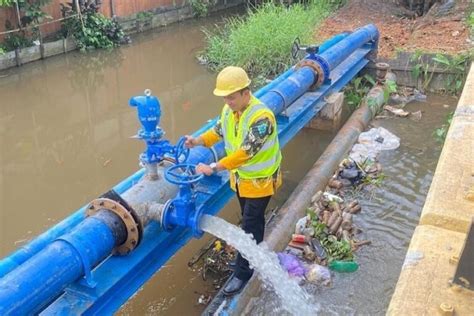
(399, 100)
(325, 239)
(213, 262)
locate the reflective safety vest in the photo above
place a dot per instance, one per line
(267, 160)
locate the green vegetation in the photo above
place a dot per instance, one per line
(201, 7)
(144, 16)
(31, 15)
(357, 89)
(261, 41)
(6, 3)
(16, 40)
(336, 249)
(440, 133)
(91, 29)
(455, 68)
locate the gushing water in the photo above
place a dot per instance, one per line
(265, 262)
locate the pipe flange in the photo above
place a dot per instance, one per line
(130, 222)
(318, 70)
(164, 216)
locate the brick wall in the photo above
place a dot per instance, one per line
(121, 7)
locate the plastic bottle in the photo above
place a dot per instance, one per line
(343, 266)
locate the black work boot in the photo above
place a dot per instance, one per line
(234, 285)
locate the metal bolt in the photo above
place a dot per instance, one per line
(446, 309)
(91, 207)
(125, 216)
(101, 203)
(133, 229)
(134, 242)
(114, 207)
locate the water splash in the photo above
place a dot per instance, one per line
(265, 262)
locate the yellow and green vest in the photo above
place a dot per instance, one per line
(267, 160)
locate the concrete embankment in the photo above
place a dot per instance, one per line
(426, 284)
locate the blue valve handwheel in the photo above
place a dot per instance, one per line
(181, 150)
(182, 174)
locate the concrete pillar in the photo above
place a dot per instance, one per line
(330, 117)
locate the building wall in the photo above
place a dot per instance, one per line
(121, 7)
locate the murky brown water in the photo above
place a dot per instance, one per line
(64, 140)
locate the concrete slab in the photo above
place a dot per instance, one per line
(424, 283)
(448, 204)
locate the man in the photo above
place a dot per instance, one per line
(250, 134)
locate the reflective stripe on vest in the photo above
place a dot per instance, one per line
(267, 160)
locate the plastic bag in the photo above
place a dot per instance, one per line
(318, 274)
(300, 225)
(291, 264)
(372, 142)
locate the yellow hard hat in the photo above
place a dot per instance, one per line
(230, 80)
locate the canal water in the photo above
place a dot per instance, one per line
(65, 128)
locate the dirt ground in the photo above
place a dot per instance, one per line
(401, 29)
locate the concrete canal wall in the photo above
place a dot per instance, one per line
(130, 17)
(425, 284)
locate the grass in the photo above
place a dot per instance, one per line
(261, 41)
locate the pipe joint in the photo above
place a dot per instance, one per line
(113, 203)
(319, 66)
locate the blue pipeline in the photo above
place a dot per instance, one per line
(322, 48)
(73, 254)
(287, 91)
(341, 50)
(27, 251)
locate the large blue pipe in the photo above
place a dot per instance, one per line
(42, 278)
(341, 50)
(59, 264)
(282, 95)
(27, 251)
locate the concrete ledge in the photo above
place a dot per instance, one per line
(424, 281)
(449, 204)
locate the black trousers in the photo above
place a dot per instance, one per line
(253, 222)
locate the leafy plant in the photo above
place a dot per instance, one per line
(421, 69)
(201, 7)
(32, 12)
(31, 15)
(470, 20)
(357, 89)
(441, 132)
(17, 40)
(455, 67)
(336, 249)
(6, 3)
(91, 29)
(144, 16)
